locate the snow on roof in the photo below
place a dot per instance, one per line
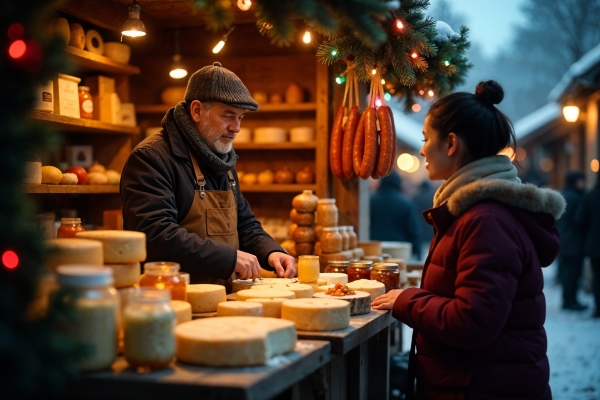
(577, 69)
(408, 131)
(536, 120)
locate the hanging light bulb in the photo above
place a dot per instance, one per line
(221, 43)
(373, 71)
(571, 112)
(244, 5)
(306, 38)
(383, 81)
(399, 24)
(134, 27)
(177, 70)
(430, 93)
(414, 54)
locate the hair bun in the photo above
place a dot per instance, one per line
(489, 92)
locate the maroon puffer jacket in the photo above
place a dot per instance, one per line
(479, 314)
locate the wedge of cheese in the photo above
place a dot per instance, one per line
(335, 277)
(125, 274)
(317, 314)
(267, 293)
(360, 302)
(119, 246)
(374, 288)
(205, 297)
(239, 308)
(234, 341)
(271, 307)
(301, 290)
(73, 251)
(183, 311)
(243, 284)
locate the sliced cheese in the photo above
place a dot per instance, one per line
(243, 284)
(335, 277)
(234, 341)
(360, 302)
(183, 311)
(271, 307)
(267, 293)
(374, 288)
(317, 314)
(239, 308)
(73, 251)
(301, 290)
(125, 274)
(119, 246)
(205, 297)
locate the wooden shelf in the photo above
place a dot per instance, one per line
(82, 125)
(73, 189)
(163, 108)
(274, 146)
(87, 61)
(277, 188)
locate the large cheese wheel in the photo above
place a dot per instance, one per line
(234, 341)
(119, 246)
(267, 293)
(243, 284)
(125, 274)
(271, 307)
(374, 288)
(301, 290)
(205, 297)
(239, 308)
(315, 285)
(324, 288)
(317, 314)
(360, 302)
(183, 311)
(335, 277)
(73, 251)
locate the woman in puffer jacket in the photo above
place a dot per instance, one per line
(478, 317)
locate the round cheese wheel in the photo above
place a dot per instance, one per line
(268, 293)
(301, 290)
(335, 277)
(271, 307)
(323, 288)
(315, 285)
(234, 341)
(183, 311)
(94, 42)
(73, 251)
(77, 36)
(205, 297)
(119, 246)
(125, 274)
(374, 288)
(239, 308)
(360, 302)
(242, 284)
(317, 314)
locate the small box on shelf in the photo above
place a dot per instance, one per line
(79, 155)
(66, 101)
(102, 88)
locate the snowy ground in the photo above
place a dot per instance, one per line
(573, 345)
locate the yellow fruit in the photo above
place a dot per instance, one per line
(97, 178)
(97, 168)
(51, 175)
(113, 177)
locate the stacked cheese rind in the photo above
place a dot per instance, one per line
(360, 302)
(374, 288)
(317, 314)
(74, 251)
(205, 298)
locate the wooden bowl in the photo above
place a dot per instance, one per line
(118, 52)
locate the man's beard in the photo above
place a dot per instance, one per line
(216, 146)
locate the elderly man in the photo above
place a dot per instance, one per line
(181, 189)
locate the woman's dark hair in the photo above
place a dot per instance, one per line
(474, 118)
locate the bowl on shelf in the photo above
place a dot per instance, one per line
(118, 52)
(243, 136)
(302, 134)
(171, 95)
(270, 134)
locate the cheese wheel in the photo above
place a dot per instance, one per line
(205, 297)
(317, 314)
(94, 42)
(125, 274)
(374, 288)
(301, 290)
(183, 311)
(315, 285)
(271, 307)
(234, 341)
(266, 293)
(119, 246)
(73, 251)
(335, 277)
(324, 288)
(360, 302)
(243, 284)
(239, 308)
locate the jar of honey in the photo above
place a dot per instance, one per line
(388, 274)
(340, 267)
(164, 275)
(331, 240)
(327, 212)
(359, 270)
(69, 227)
(308, 268)
(86, 104)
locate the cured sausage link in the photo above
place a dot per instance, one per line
(348, 142)
(370, 143)
(358, 149)
(394, 142)
(335, 145)
(386, 147)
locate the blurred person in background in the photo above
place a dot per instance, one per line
(421, 202)
(393, 217)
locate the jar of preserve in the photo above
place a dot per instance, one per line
(343, 231)
(164, 275)
(352, 235)
(327, 212)
(86, 104)
(309, 268)
(95, 306)
(331, 240)
(340, 267)
(69, 227)
(359, 270)
(149, 328)
(388, 274)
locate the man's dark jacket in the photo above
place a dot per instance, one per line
(157, 190)
(571, 237)
(588, 218)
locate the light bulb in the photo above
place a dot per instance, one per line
(414, 54)
(430, 93)
(244, 5)
(387, 96)
(218, 47)
(405, 161)
(421, 92)
(306, 38)
(134, 27)
(378, 102)
(334, 53)
(571, 113)
(383, 81)
(373, 71)
(399, 24)
(178, 73)
(446, 63)
(416, 107)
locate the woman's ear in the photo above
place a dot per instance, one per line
(453, 144)
(196, 110)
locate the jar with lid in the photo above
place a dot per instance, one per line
(345, 237)
(388, 274)
(309, 268)
(149, 327)
(352, 235)
(331, 240)
(375, 259)
(340, 267)
(86, 104)
(359, 270)
(95, 305)
(327, 212)
(69, 227)
(164, 275)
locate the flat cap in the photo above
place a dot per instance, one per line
(215, 83)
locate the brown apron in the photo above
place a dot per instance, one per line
(213, 215)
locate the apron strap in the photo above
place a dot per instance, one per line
(232, 183)
(200, 181)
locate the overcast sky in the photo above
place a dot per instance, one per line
(490, 21)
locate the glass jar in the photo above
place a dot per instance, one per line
(375, 259)
(164, 275)
(359, 270)
(388, 274)
(352, 235)
(331, 240)
(309, 268)
(327, 212)
(342, 230)
(69, 227)
(149, 327)
(95, 305)
(86, 104)
(337, 267)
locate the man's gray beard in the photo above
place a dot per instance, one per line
(222, 148)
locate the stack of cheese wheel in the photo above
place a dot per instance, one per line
(239, 309)
(360, 302)
(74, 251)
(374, 288)
(205, 298)
(183, 311)
(317, 314)
(271, 305)
(335, 277)
(301, 290)
(270, 298)
(303, 217)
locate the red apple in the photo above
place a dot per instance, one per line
(80, 172)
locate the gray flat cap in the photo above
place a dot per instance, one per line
(215, 83)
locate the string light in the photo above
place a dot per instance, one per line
(399, 24)
(340, 79)
(244, 5)
(430, 93)
(414, 54)
(15, 31)
(595, 165)
(373, 71)
(446, 63)
(421, 92)
(387, 96)
(416, 107)
(378, 102)
(334, 53)
(405, 161)
(383, 81)
(10, 259)
(221, 43)
(521, 154)
(392, 91)
(17, 49)
(306, 38)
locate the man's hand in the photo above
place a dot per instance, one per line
(283, 264)
(246, 266)
(386, 301)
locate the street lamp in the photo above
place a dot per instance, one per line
(571, 112)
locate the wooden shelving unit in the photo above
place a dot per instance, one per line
(271, 108)
(71, 189)
(87, 61)
(82, 125)
(274, 146)
(277, 188)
